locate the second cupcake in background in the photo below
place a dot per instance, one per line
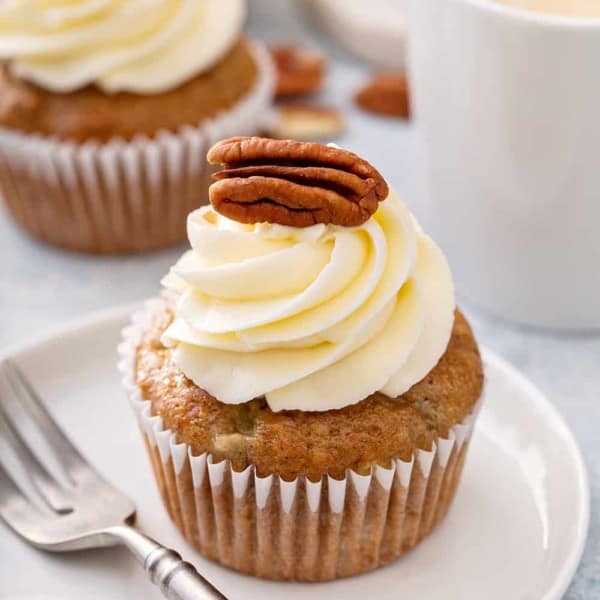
(107, 111)
(306, 387)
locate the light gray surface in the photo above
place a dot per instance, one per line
(41, 287)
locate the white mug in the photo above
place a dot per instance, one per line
(507, 113)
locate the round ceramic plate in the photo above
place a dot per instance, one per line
(516, 530)
(373, 31)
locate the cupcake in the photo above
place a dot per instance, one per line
(107, 111)
(305, 386)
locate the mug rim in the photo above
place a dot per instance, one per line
(532, 17)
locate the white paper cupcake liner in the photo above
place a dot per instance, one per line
(121, 196)
(295, 530)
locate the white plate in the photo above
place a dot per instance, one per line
(374, 31)
(516, 530)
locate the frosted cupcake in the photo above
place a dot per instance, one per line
(306, 387)
(107, 110)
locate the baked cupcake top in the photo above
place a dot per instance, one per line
(141, 46)
(308, 282)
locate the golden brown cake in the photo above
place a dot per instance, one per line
(374, 431)
(88, 113)
(106, 112)
(306, 387)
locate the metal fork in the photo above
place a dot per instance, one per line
(86, 512)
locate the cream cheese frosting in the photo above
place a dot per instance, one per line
(141, 46)
(313, 318)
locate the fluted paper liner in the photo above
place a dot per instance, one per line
(295, 530)
(121, 196)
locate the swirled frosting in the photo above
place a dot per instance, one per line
(312, 319)
(142, 46)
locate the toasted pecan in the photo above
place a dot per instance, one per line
(293, 183)
(386, 94)
(299, 70)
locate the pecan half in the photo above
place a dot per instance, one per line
(386, 94)
(299, 70)
(293, 183)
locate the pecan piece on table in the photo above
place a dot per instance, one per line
(293, 183)
(299, 70)
(386, 94)
(307, 122)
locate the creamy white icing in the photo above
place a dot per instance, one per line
(313, 319)
(142, 46)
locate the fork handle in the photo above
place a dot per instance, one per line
(177, 579)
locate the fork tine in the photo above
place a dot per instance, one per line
(70, 458)
(16, 510)
(49, 489)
